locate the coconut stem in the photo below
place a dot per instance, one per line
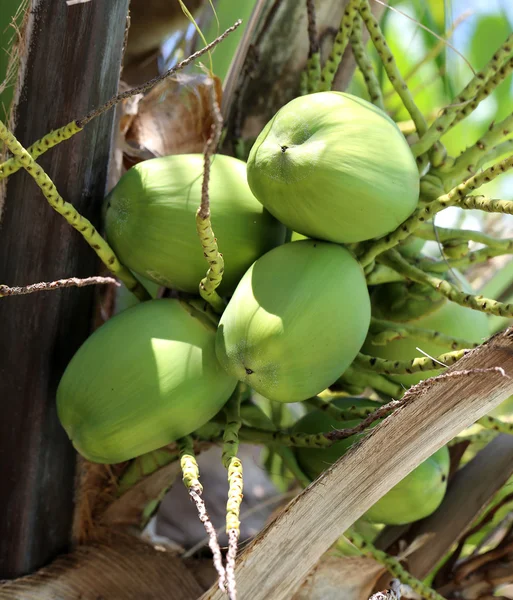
(54, 285)
(472, 258)
(380, 274)
(235, 480)
(361, 379)
(415, 365)
(468, 161)
(491, 423)
(470, 93)
(339, 45)
(392, 565)
(190, 471)
(395, 77)
(382, 332)
(496, 78)
(40, 147)
(209, 284)
(313, 65)
(340, 414)
(396, 261)
(456, 196)
(484, 436)
(365, 65)
(290, 462)
(487, 204)
(72, 216)
(64, 133)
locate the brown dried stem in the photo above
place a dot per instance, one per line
(46, 286)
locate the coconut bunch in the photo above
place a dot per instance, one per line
(337, 313)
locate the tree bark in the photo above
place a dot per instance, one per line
(71, 64)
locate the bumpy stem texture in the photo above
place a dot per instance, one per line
(190, 475)
(494, 424)
(395, 77)
(469, 160)
(456, 196)
(54, 285)
(340, 414)
(472, 258)
(489, 205)
(392, 564)
(72, 216)
(339, 45)
(235, 480)
(40, 147)
(479, 437)
(313, 66)
(400, 367)
(487, 305)
(490, 84)
(211, 282)
(449, 114)
(365, 65)
(381, 332)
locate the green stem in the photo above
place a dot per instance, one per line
(339, 45)
(479, 437)
(487, 205)
(365, 65)
(362, 379)
(72, 216)
(50, 140)
(289, 460)
(392, 565)
(339, 414)
(190, 473)
(468, 161)
(395, 77)
(381, 274)
(494, 424)
(415, 365)
(235, 482)
(491, 83)
(472, 258)
(396, 261)
(209, 284)
(456, 196)
(382, 332)
(444, 122)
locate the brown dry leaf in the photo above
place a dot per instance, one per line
(175, 117)
(120, 567)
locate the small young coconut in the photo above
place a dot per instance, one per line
(334, 167)
(296, 320)
(417, 496)
(145, 378)
(150, 220)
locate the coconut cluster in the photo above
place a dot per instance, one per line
(336, 171)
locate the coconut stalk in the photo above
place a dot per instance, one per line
(77, 50)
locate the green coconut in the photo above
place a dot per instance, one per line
(150, 220)
(417, 496)
(296, 320)
(145, 378)
(334, 167)
(415, 305)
